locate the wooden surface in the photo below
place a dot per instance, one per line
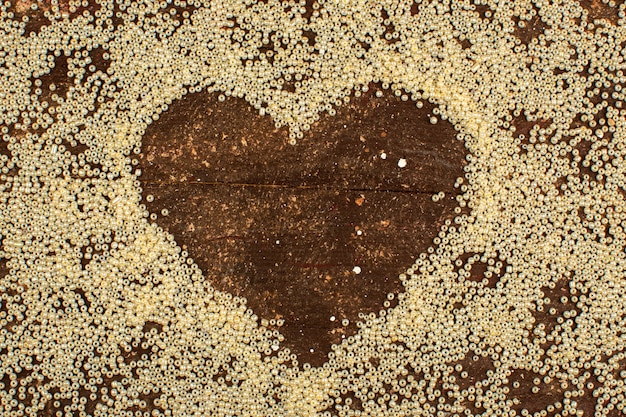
(285, 226)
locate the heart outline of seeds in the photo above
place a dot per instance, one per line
(315, 235)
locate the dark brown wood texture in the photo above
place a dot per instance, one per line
(285, 226)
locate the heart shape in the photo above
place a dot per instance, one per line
(313, 234)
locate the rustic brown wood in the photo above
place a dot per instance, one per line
(284, 226)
